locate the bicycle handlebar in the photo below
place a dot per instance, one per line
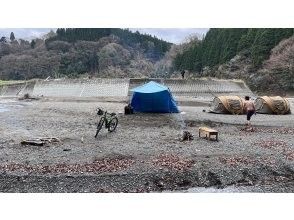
(100, 111)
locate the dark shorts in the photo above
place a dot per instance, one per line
(249, 114)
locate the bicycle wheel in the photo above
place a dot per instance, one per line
(112, 124)
(99, 126)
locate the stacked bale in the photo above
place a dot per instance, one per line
(272, 105)
(227, 105)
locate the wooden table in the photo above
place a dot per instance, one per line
(208, 132)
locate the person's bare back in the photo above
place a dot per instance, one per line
(249, 105)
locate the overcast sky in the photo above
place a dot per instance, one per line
(174, 35)
(24, 33)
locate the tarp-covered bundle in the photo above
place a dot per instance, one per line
(272, 105)
(227, 105)
(153, 97)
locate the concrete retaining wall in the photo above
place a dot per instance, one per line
(18, 89)
(82, 88)
(197, 88)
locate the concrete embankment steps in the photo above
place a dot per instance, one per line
(82, 88)
(201, 88)
(17, 89)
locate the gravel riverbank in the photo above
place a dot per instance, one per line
(145, 154)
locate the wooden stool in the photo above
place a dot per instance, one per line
(208, 132)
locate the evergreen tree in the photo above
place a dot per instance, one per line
(264, 41)
(33, 44)
(222, 44)
(12, 38)
(3, 40)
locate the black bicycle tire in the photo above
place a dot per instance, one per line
(100, 125)
(109, 127)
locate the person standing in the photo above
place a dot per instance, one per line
(183, 74)
(249, 108)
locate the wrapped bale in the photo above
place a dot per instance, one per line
(272, 105)
(227, 105)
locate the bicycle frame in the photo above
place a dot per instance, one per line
(107, 116)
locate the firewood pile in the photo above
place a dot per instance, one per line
(187, 136)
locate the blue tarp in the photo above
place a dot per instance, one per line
(153, 97)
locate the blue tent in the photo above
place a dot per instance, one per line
(153, 97)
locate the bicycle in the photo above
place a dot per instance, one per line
(109, 119)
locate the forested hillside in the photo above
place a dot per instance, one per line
(100, 52)
(262, 57)
(153, 47)
(222, 44)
